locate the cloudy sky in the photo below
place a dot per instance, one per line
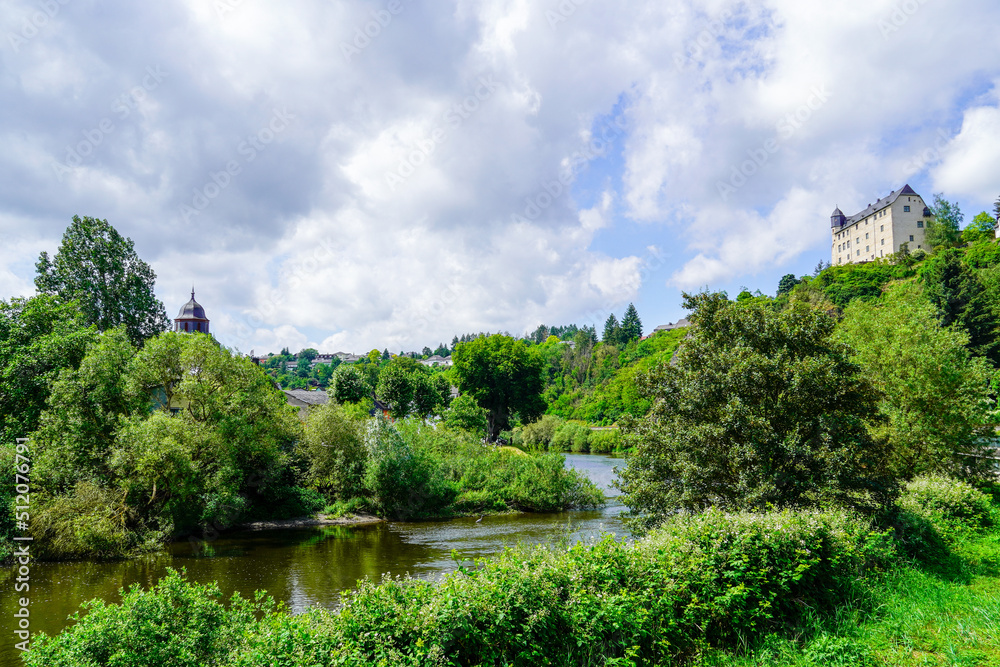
(351, 174)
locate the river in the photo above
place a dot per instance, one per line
(307, 567)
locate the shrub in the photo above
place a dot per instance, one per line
(571, 437)
(952, 507)
(539, 434)
(175, 623)
(605, 442)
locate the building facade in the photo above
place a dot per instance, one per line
(881, 229)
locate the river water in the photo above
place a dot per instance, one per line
(307, 567)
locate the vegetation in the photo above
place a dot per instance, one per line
(99, 269)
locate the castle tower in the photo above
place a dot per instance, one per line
(191, 318)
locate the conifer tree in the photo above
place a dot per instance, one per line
(631, 325)
(612, 330)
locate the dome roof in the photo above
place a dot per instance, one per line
(192, 310)
(837, 212)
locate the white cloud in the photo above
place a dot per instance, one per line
(971, 162)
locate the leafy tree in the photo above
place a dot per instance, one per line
(99, 268)
(39, 336)
(980, 229)
(466, 414)
(788, 283)
(760, 408)
(957, 293)
(504, 377)
(307, 355)
(334, 451)
(348, 385)
(933, 393)
(442, 350)
(631, 327)
(943, 230)
(612, 330)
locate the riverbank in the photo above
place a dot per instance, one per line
(313, 521)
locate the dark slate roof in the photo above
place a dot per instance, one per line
(679, 324)
(192, 310)
(837, 212)
(881, 204)
(309, 397)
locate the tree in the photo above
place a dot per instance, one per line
(385, 355)
(348, 385)
(787, 283)
(957, 293)
(932, 392)
(307, 355)
(39, 336)
(466, 414)
(99, 269)
(943, 229)
(759, 408)
(980, 229)
(612, 330)
(631, 327)
(504, 377)
(334, 451)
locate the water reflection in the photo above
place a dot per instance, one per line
(310, 567)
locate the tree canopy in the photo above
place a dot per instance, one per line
(99, 269)
(504, 376)
(760, 408)
(943, 230)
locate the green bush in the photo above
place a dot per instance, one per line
(571, 437)
(176, 623)
(709, 580)
(333, 451)
(952, 507)
(539, 434)
(605, 442)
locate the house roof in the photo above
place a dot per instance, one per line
(679, 324)
(309, 397)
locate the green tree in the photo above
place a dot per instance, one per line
(464, 413)
(788, 283)
(504, 377)
(348, 385)
(760, 408)
(307, 355)
(980, 229)
(612, 330)
(39, 336)
(932, 392)
(333, 450)
(957, 293)
(99, 268)
(943, 229)
(631, 327)
(396, 386)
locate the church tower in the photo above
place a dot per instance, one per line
(191, 318)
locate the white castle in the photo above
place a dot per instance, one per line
(880, 230)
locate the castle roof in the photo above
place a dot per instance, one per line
(192, 310)
(888, 200)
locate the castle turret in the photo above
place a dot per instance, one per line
(838, 219)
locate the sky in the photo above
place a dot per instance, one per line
(351, 174)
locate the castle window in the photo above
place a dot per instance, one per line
(867, 249)
(883, 242)
(920, 224)
(906, 209)
(866, 237)
(858, 253)
(911, 237)
(883, 228)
